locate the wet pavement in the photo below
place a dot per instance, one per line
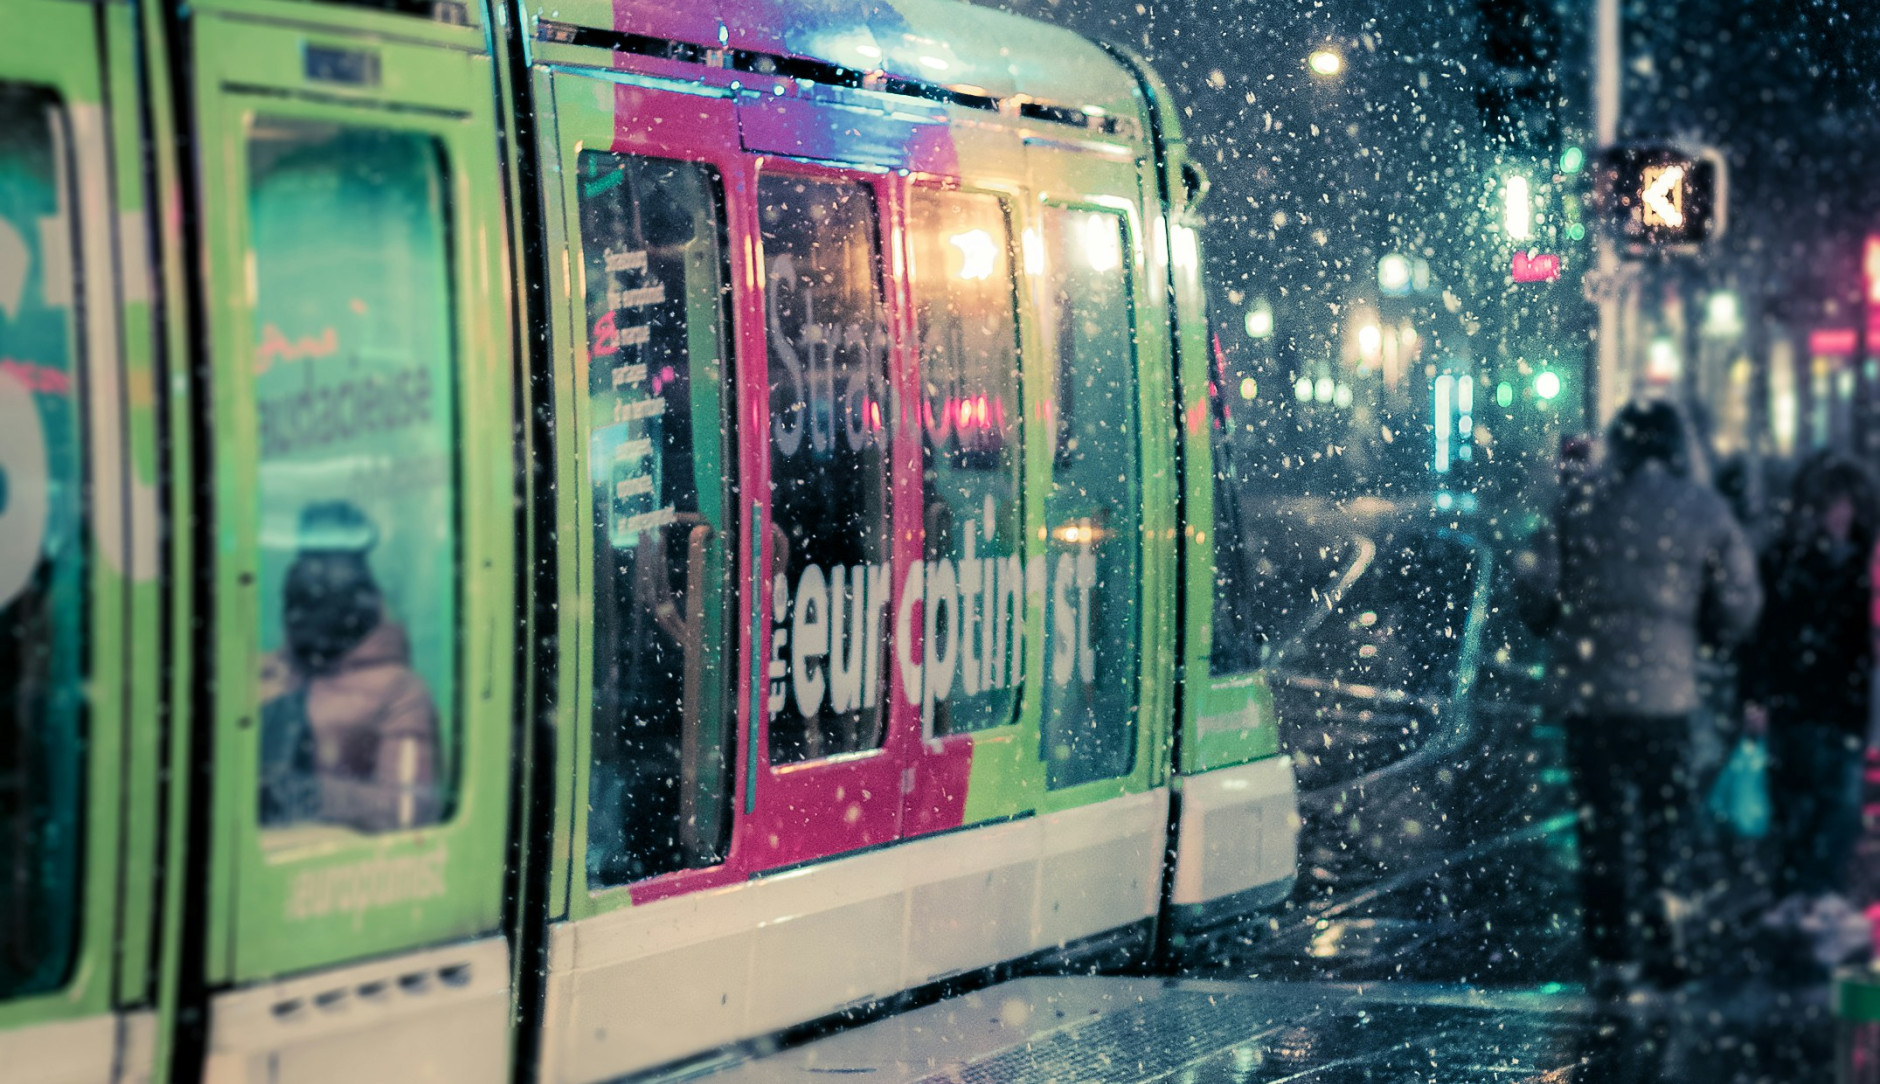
(1461, 962)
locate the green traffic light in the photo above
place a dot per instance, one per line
(1504, 394)
(1572, 160)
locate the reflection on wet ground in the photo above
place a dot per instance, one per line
(1433, 1034)
(1463, 960)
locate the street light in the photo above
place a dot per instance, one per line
(1326, 63)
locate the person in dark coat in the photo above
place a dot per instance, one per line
(1807, 682)
(1645, 569)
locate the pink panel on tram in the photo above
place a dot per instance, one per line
(666, 125)
(939, 799)
(693, 21)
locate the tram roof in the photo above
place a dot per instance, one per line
(955, 48)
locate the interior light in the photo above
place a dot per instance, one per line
(978, 254)
(1102, 247)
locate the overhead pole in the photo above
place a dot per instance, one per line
(1599, 385)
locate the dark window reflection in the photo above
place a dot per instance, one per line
(42, 558)
(659, 463)
(829, 433)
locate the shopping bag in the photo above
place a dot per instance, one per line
(1740, 797)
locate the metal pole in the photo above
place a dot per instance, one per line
(1601, 376)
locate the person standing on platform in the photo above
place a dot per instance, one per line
(1808, 681)
(1644, 570)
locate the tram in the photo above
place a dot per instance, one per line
(544, 541)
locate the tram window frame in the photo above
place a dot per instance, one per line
(1066, 764)
(350, 534)
(790, 611)
(1231, 567)
(64, 933)
(944, 715)
(607, 870)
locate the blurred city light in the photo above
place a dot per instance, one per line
(1723, 315)
(1393, 273)
(1572, 160)
(1370, 341)
(1260, 320)
(1517, 209)
(1443, 394)
(1325, 62)
(1661, 361)
(1504, 394)
(1546, 385)
(1249, 388)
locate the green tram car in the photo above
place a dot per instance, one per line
(542, 542)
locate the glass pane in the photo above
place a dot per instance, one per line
(828, 466)
(965, 307)
(357, 505)
(1092, 555)
(42, 555)
(653, 254)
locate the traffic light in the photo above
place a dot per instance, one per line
(1657, 197)
(1517, 93)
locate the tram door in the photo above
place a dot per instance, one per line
(362, 519)
(78, 732)
(653, 503)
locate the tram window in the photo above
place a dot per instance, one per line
(829, 410)
(653, 256)
(42, 555)
(965, 301)
(1092, 553)
(357, 505)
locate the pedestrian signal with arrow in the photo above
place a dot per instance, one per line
(1658, 198)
